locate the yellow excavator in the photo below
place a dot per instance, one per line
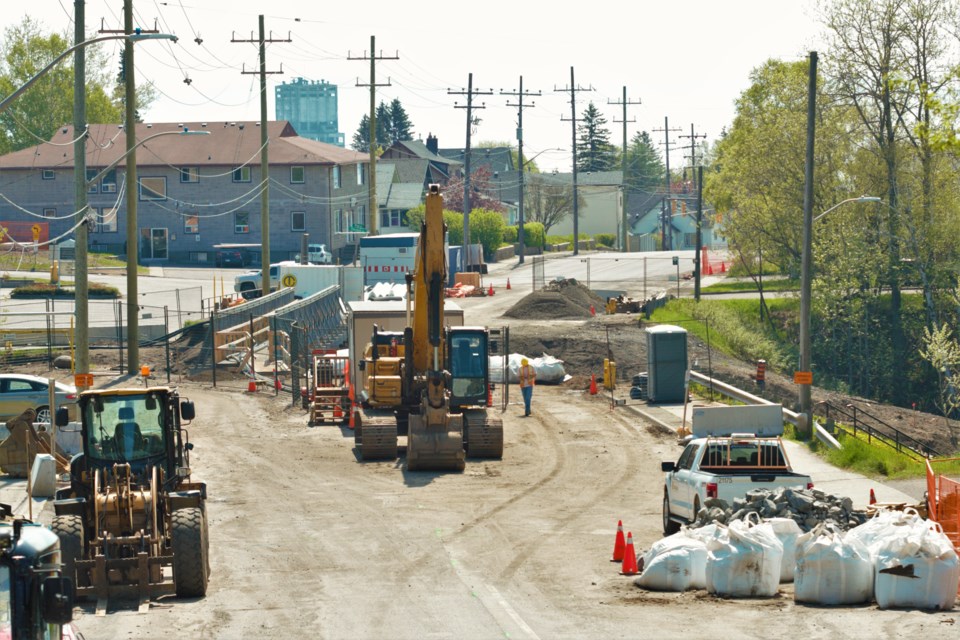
(430, 383)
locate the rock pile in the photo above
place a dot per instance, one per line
(560, 298)
(807, 508)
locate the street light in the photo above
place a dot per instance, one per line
(806, 277)
(132, 37)
(523, 164)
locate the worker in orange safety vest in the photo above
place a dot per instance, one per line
(528, 379)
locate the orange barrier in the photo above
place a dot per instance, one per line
(943, 502)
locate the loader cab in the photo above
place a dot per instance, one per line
(467, 351)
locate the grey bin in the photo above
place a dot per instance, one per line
(666, 363)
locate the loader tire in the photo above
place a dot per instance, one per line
(189, 552)
(70, 531)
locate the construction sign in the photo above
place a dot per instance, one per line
(803, 377)
(23, 231)
(289, 280)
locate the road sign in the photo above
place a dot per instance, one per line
(289, 280)
(803, 377)
(83, 380)
(36, 232)
(358, 228)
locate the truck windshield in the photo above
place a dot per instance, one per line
(127, 427)
(6, 629)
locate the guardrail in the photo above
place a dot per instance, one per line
(877, 429)
(743, 396)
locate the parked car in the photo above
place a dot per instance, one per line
(19, 392)
(317, 254)
(229, 258)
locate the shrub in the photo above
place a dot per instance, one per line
(533, 235)
(47, 290)
(486, 227)
(510, 234)
(606, 239)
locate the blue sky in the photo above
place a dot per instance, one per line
(687, 61)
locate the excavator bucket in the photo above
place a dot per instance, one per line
(435, 445)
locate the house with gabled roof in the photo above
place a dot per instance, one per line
(439, 170)
(194, 192)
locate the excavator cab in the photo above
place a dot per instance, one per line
(468, 366)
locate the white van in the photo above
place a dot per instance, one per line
(317, 254)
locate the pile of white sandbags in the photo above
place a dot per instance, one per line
(896, 558)
(549, 370)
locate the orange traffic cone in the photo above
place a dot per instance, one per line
(629, 566)
(489, 395)
(723, 267)
(337, 411)
(709, 270)
(277, 384)
(508, 284)
(873, 497)
(593, 311)
(619, 544)
(252, 386)
(593, 384)
(353, 416)
(490, 291)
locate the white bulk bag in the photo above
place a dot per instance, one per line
(832, 569)
(674, 563)
(787, 532)
(548, 369)
(917, 570)
(884, 527)
(743, 560)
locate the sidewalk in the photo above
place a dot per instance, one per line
(825, 476)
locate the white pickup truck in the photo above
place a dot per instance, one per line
(733, 451)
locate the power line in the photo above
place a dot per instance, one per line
(470, 92)
(666, 238)
(520, 94)
(623, 161)
(573, 89)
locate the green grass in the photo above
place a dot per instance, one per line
(781, 284)
(41, 262)
(735, 327)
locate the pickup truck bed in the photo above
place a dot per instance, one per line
(725, 468)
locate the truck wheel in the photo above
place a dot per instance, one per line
(189, 552)
(248, 291)
(669, 526)
(696, 509)
(70, 531)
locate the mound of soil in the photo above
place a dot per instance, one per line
(559, 299)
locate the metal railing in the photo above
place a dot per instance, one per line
(858, 421)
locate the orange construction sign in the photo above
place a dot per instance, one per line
(803, 377)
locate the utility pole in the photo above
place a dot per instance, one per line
(806, 265)
(374, 205)
(666, 238)
(623, 209)
(520, 94)
(573, 88)
(470, 92)
(81, 282)
(694, 176)
(264, 155)
(696, 258)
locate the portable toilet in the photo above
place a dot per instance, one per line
(666, 363)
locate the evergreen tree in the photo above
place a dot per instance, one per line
(645, 168)
(393, 125)
(594, 151)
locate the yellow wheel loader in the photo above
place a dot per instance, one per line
(133, 523)
(430, 383)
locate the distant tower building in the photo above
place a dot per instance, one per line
(311, 107)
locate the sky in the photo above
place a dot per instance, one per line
(684, 61)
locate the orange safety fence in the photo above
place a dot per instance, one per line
(943, 502)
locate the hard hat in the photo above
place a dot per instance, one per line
(524, 362)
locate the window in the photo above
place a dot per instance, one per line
(153, 188)
(336, 177)
(686, 459)
(690, 239)
(241, 174)
(390, 218)
(298, 221)
(296, 175)
(361, 174)
(189, 174)
(241, 222)
(191, 224)
(360, 216)
(48, 174)
(108, 183)
(49, 213)
(107, 221)
(91, 174)
(338, 218)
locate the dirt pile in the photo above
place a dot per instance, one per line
(565, 298)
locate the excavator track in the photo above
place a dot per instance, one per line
(435, 448)
(376, 438)
(483, 435)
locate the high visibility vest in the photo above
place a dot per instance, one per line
(528, 376)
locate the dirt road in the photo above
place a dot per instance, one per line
(309, 542)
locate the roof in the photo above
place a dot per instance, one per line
(228, 144)
(496, 158)
(401, 196)
(418, 149)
